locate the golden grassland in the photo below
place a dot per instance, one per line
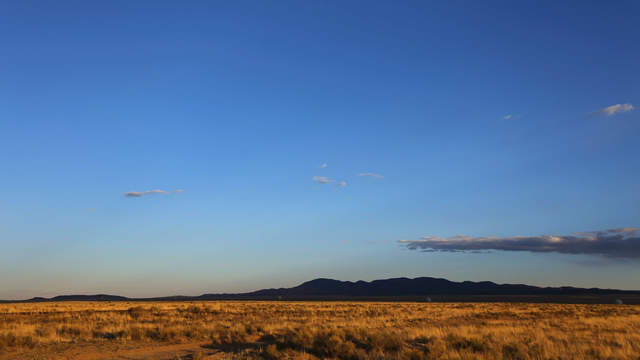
(320, 330)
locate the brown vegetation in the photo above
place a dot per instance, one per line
(324, 330)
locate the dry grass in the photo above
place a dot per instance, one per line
(342, 330)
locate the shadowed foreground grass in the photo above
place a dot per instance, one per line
(341, 330)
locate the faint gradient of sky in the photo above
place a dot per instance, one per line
(481, 117)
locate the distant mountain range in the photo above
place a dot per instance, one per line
(420, 289)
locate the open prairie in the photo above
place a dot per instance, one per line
(317, 330)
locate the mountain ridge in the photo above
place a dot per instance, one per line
(401, 288)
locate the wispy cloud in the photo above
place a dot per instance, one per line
(156, 192)
(341, 184)
(507, 117)
(613, 243)
(143, 193)
(322, 179)
(614, 109)
(178, 190)
(323, 166)
(373, 175)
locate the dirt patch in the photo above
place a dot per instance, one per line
(122, 352)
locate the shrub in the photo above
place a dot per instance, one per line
(513, 351)
(228, 336)
(11, 340)
(195, 310)
(326, 343)
(69, 331)
(435, 348)
(413, 354)
(271, 353)
(387, 342)
(136, 312)
(192, 332)
(108, 335)
(44, 331)
(161, 334)
(459, 343)
(136, 333)
(348, 351)
(301, 338)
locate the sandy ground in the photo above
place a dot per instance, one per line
(121, 352)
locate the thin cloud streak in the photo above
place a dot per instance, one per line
(135, 194)
(612, 243)
(507, 117)
(323, 166)
(322, 179)
(341, 184)
(614, 109)
(373, 175)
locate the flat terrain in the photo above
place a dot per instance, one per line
(317, 330)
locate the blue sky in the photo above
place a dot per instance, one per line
(484, 119)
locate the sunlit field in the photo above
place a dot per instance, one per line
(317, 330)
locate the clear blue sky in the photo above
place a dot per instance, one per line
(483, 119)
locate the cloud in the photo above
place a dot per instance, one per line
(507, 117)
(143, 193)
(341, 184)
(178, 190)
(614, 109)
(373, 175)
(156, 192)
(323, 166)
(613, 243)
(322, 179)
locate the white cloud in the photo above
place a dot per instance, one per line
(507, 117)
(322, 179)
(341, 184)
(373, 175)
(323, 166)
(614, 109)
(178, 190)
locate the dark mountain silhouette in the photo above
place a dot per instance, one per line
(421, 286)
(97, 297)
(397, 289)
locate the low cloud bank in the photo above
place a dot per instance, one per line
(613, 243)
